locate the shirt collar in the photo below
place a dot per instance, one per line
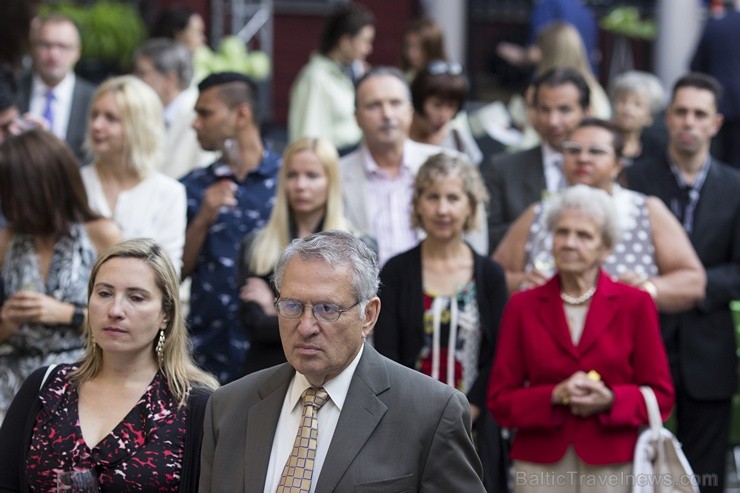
(61, 90)
(371, 166)
(172, 110)
(337, 387)
(550, 155)
(268, 166)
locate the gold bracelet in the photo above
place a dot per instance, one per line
(648, 286)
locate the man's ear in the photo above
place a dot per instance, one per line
(372, 310)
(244, 114)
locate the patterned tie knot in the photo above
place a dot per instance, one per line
(315, 397)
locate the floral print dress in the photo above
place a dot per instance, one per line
(143, 452)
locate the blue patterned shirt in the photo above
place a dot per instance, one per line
(219, 338)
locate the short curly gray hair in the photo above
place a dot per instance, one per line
(636, 82)
(592, 201)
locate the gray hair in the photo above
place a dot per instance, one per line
(591, 201)
(169, 56)
(636, 82)
(382, 71)
(338, 249)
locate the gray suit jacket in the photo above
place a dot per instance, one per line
(514, 182)
(398, 431)
(81, 98)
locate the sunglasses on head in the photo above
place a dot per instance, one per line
(439, 67)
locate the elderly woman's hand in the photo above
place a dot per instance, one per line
(584, 395)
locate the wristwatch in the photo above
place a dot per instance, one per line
(78, 317)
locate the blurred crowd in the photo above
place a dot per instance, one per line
(547, 279)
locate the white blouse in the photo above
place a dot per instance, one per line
(155, 208)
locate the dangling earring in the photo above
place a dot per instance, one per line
(160, 348)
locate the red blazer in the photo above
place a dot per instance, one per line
(621, 340)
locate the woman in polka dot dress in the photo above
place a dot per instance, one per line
(653, 251)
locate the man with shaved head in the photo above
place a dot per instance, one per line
(226, 201)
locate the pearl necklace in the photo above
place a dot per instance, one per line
(578, 300)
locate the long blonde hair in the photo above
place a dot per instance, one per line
(561, 46)
(270, 242)
(178, 367)
(142, 119)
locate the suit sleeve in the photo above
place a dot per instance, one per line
(387, 333)
(650, 367)
(207, 450)
(497, 224)
(700, 62)
(452, 463)
(723, 280)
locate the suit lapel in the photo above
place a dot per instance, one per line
(600, 313)
(360, 415)
(261, 424)
(77, 116)
(710, 199)
(534, 169)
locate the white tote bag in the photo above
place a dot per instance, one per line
(659, 464)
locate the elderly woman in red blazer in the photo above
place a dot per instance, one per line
(571, 357)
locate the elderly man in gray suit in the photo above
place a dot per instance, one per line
(338, 416)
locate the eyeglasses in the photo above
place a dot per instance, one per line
(439, 67)
(575, 149)
(328, 312)
(48, 46)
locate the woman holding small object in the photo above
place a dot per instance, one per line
(47, 249)
(572, 355)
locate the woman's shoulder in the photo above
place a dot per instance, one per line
(402, 261)
(164, 183)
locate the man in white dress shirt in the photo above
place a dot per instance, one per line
(52, 90)
(167, 67)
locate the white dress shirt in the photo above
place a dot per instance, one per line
(389, 207)
(154, 208)
(552, 161)
(61, 106)
(290, 417)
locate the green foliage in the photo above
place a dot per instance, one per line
(232, 55)
(110, 30)
(626, 21)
